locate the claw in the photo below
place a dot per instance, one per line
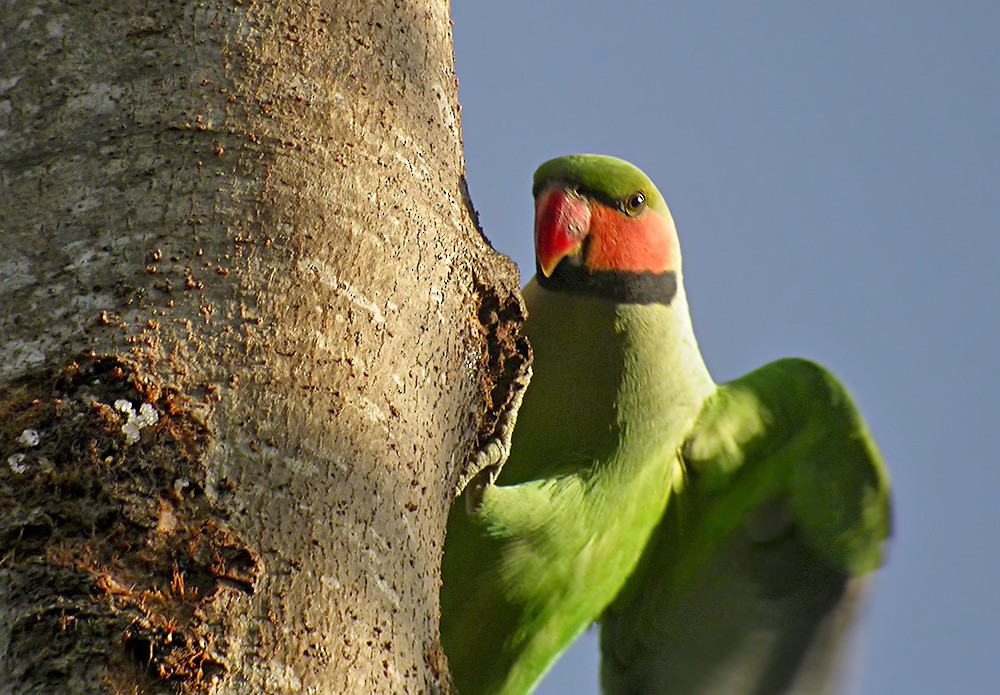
(486, 462)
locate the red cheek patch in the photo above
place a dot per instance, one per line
(647, 243)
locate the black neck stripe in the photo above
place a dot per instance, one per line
(615, 285)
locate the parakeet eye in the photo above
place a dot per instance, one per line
(634, 203)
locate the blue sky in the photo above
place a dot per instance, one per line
(834, 172)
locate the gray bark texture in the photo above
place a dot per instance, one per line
(250, 338)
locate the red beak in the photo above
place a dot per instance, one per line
(562, 221)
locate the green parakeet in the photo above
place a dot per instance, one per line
(634, 479)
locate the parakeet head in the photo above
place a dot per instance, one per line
(602, 228)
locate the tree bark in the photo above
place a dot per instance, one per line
(250, 335)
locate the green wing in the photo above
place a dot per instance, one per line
(757, 567)
(482, 621)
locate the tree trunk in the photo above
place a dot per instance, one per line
(250, 335)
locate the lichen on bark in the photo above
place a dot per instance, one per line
(122, 529)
